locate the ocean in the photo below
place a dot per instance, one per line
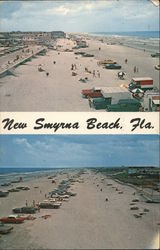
(143, 40)
(139, 34)
(8, 175)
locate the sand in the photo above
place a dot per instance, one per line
(86, 221)
(30, 90)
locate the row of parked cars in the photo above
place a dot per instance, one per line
(112, 99)
(118, 98)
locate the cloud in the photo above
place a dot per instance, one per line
(78, 15)
(79, 150)
(81, 6)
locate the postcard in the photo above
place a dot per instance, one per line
(79, 124)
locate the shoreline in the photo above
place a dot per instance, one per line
(124, 39)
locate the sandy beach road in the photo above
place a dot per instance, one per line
(20, 237)
(87, 221)
(30, 90)
(135, 57)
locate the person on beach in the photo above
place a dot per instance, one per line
(99, 48)
(134, 69)
(47, 74)
(26, 203)
(98, 73)
(94, 73)
(34, 203)
(90, 102)
(72, 67)
(137, 70)
(86, 69)
(126, 61)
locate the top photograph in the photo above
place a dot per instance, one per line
(79, 56)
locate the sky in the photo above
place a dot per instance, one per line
(78, 150)
(79, 15)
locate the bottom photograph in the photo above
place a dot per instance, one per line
(79, 192)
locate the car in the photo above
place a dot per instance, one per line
(157, 67)
(5, 229)
(108, 61)
(155, 55)
(24, 210)
(15, 219)
(87, 55)
(12, 190)
(92, 93)
(4, 193)
(79, 53)
(49, 205)
(112, 66)
(101, 102)
(125, 105)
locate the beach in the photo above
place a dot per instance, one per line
(31, 90)
(87, 220)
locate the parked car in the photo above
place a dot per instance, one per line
(5, 184)
(92, 93)
(101, 103)
(87, 55)
(5, 229)
(157, 67)
(144, 83)
(155, 55)
(24, 210)
(23, 188)
(113, 66)
(111, 95)
(49, 205)
(13, 190)
(4, 193)
(108, 61)
(79, 53)
(15, 219)
(125, 105)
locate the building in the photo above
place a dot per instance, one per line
(58, 34)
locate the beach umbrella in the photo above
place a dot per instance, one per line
(137, 91)
(121, 73)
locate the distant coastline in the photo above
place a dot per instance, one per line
(7, 175)
(140, 34)
(141, 40)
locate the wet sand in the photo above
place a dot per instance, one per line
(86, 221)
(30, 90)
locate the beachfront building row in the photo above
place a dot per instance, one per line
(28, 38)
